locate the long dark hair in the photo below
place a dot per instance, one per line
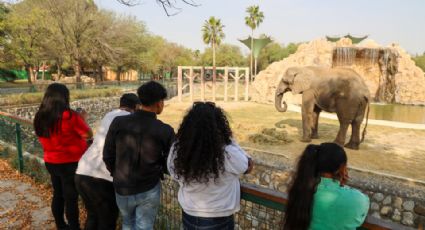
(315, 160)
(200, 143)
(49, 116)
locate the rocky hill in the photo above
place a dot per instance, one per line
(389, 72)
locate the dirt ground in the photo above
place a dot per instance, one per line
(395, 151)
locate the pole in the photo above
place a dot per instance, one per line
(19, 147)
(179, 83)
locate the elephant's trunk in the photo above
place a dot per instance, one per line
(278, 101)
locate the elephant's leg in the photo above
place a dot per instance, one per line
(345, 116)
(343, 127)
(315, 129)
(307, 111)
(355, 127)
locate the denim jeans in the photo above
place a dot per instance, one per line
(208, 223)
(139, 210)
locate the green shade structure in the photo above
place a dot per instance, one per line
(259, 43)
(353, 39)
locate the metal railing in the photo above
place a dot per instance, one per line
(261, 208)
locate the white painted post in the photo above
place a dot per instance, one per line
(226, 79)
(179, 83)
(191, 83)
(202, 84)
(236, 84)
(246, 84)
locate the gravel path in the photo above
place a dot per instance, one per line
(23, 204)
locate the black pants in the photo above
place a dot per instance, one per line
(65, 195)
(99, 198)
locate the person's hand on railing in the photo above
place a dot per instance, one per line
(250, 165)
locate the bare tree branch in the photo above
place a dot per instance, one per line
(167, 5)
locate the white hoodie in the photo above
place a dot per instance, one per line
(217, 198)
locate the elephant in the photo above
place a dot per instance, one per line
(337, 90)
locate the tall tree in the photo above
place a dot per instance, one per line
(212, 33)
(253, 20)
(25, 32)
(75, 23)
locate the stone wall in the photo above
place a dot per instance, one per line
(409, 79)
(96, 108)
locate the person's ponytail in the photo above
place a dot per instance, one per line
(301, 194)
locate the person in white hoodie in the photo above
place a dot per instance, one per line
(207, 163)
(93, 180)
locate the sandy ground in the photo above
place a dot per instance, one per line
(391, 150)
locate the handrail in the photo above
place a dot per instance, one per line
(16, 119)
(249, 192)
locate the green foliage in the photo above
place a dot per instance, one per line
(255, 17)
(7, 75)
(420, 61)
(227, 55)
(212, 31)
(275, 52)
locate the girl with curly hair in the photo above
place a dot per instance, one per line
(207, 163)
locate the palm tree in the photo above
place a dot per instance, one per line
(212, 33)
(253, 20)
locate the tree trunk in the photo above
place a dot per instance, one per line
(255, 68)
(35, 76)
(214, 71)
(28, 69)
(59, 71)
(100, 73)
(77, 70)
(252, 52)
(43, 74)
(119, 70)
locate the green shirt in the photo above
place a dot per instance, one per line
(337, 207)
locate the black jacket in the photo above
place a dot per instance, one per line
(135, 151)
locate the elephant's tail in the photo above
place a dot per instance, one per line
(367, 118)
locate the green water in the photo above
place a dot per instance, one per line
(401, 113)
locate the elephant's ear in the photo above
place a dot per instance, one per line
(302, 82)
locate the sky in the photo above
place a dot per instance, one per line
(385, 21)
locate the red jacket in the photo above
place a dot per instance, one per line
(68, 145)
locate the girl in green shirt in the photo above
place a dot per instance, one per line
(318, 198)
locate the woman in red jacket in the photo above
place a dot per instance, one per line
(63, 133)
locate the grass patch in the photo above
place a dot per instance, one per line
(15, 84)
(34, 98)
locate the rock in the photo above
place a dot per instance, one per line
(374, 206)
(419, 209)
(386, 210)
(408, 205)
(408, 78)
(396, 215)
(387, 200)
(407, 218)
(376, 215)
(398, 202)
(378, 197)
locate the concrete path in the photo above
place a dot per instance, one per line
(23, 204)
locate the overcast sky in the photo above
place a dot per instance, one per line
(385, 21)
